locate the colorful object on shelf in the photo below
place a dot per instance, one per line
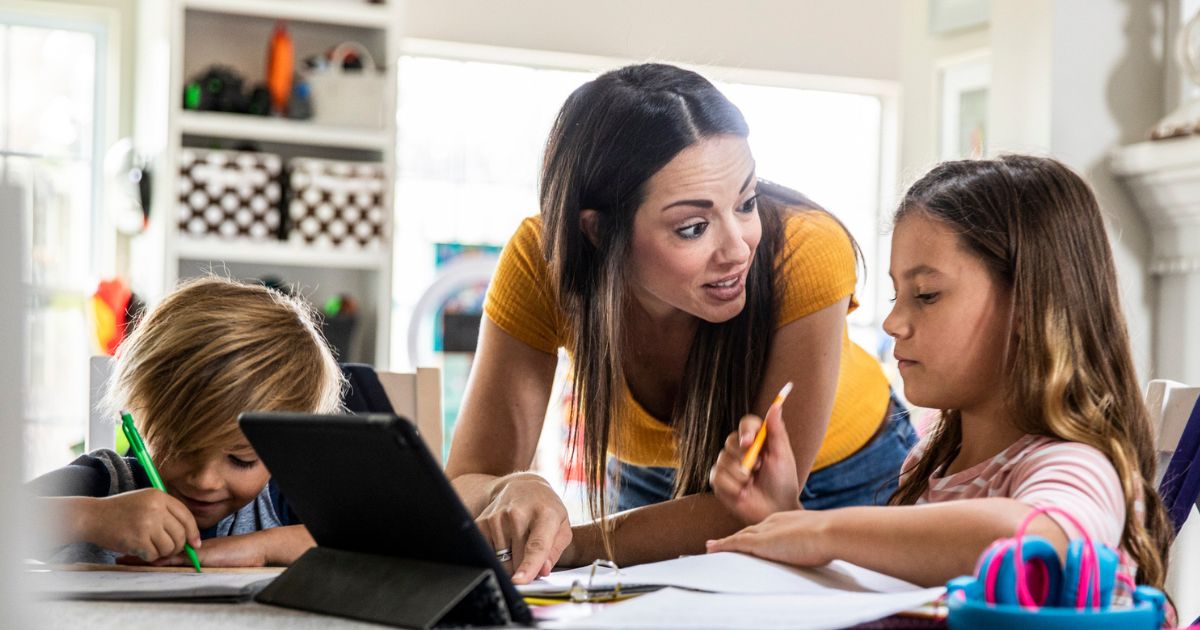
(300, 107)
(191, 95)
(217, 89)
(340, 305)
(115, 309)
(281, 63)
(338, 324)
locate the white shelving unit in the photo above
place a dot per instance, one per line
(344, 12)
(279, 130)
(236, 33)
(281, 253)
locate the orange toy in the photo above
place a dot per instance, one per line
(281, 61)
(110, 303)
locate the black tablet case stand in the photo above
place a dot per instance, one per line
(389, 590)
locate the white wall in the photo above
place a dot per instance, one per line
(1072, 79)
(856, 39)
(920, 55)
(1107, 92)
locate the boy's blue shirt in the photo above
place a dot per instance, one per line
(104, 473)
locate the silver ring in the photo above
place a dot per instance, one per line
(504, 555)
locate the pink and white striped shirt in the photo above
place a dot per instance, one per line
(1040, 471)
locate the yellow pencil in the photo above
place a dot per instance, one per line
(751, 456)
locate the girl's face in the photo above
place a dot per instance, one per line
(695, 234)
(951, 320)
(216, 482)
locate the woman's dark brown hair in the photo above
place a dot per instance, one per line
(610, 137)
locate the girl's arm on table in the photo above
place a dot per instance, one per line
(924, 544)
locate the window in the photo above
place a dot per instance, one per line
(51, 108)
(472, 123)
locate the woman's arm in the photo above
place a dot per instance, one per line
(806, 352)
(923, 544)
(503, 410)
(655, 532)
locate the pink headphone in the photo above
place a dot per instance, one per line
(1082, 561)
(1020, 582)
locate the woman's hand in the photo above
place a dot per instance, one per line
(771, 486)
(797, 538)
(148, 523)
(528, 518)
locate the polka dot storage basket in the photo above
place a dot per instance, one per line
(336, 204)
(230, 194)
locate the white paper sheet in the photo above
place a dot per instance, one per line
(132, 585)
(729, 573)
(676, 609)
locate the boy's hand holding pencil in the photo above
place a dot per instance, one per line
(146, 524)
(755, 474)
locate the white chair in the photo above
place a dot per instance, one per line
(418, 397)
(102, 429)
(1170, 405)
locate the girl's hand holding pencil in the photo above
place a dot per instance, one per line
(755, 474)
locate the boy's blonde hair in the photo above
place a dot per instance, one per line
(215, 348)
(1037, 227)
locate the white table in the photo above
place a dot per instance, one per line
(102, 615)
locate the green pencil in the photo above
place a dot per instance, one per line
(143, 457)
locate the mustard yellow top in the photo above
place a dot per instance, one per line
(816, 268)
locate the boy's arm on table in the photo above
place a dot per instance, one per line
(145, 523)
(278, 546)
(924, 544)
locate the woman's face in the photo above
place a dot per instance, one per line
(695, 234)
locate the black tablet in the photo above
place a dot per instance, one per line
(367, 483)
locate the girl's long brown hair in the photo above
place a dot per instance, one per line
(1038, 228)
(609, 138)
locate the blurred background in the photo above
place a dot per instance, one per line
(374, 157)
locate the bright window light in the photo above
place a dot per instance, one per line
(48, 120)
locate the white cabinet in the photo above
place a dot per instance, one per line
(178, 40)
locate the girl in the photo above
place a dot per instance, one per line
(1006, 318)
(674, 278)
(212, 349)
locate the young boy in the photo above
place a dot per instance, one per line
(212, 349)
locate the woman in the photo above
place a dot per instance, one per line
(687, 292)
